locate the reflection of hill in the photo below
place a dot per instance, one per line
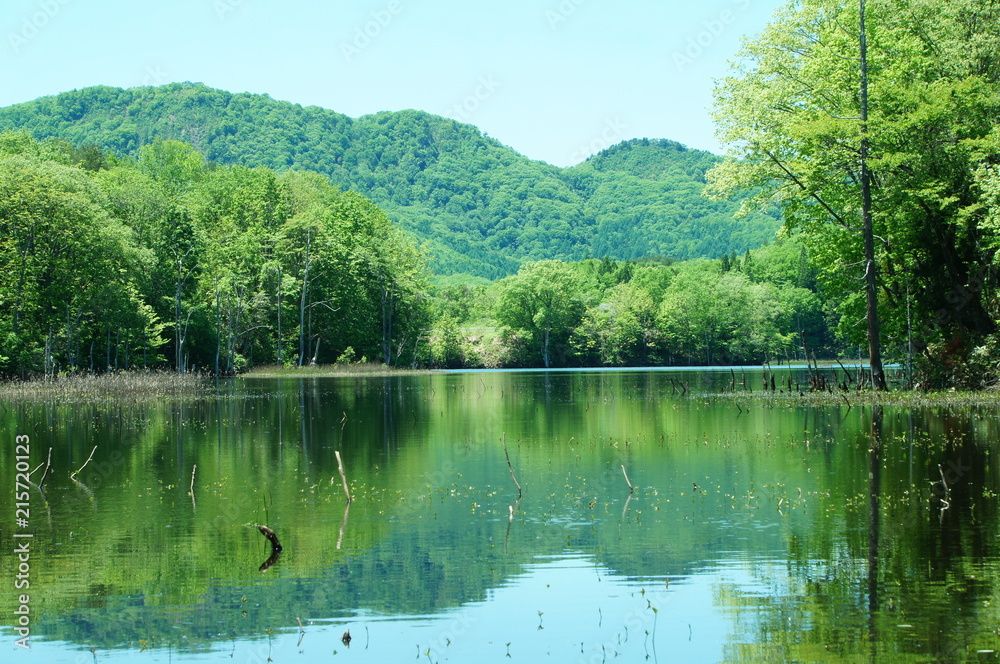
(429, 527)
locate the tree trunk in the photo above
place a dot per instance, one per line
(218, 326)
(281, 361)
(871, 275)
(302, 306)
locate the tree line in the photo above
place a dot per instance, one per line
(170, 260)
(480, 207)
(759, 307)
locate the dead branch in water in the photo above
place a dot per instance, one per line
(343, 475)
(73, 475)
(510, 467)
(627, 481)
(271, 537)
(343, 525)
(269, 563)
(48, 463)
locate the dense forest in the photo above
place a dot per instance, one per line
(759, 307)
(170, 260)
(260, 237)
(167, 260)
(479, 207)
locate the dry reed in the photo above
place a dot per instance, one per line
(106, 387)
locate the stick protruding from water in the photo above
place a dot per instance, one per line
(271, 537)
(343, 475)
(510, 467)
(627, 481)
(73, 475)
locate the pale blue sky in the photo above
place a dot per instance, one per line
(554, 79)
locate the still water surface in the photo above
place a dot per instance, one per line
(756, 532)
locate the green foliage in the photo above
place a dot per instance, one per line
(610, 313)
(164, 257)
(480, 207)
(542, 302)
(790, 114)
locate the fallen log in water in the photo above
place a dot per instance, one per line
(271, 537)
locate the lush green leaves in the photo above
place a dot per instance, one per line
(216, 267)
(790, 115)
(480, 207)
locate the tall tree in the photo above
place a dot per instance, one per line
(867, 232)
(791, 116)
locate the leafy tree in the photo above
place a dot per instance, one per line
(621, 330)
(791, 117)
(541, 301)
(103, 263)
(68, 265)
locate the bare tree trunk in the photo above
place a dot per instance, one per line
(302, 304)
(218, 326)
(178, 332)
(388, 302)
(871, 275)
(545, 347)
(281, 361)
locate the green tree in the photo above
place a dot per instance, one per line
(68, 266)
(620, 330)
(542, 301)
(791, 116)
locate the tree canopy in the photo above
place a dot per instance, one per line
(480, 207)
(172, 260)
(790, 114)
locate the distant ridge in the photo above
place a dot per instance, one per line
(481, 207)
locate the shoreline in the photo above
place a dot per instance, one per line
(143, 384)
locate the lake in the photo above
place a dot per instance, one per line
(658, 521)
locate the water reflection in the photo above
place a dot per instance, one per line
(652, 524)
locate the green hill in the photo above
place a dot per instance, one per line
(481, 207)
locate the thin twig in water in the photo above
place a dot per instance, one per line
(510, 467)
(343, 476)
(73, 476)
(48, 463)
(191, 490)
(627, 481)
(343, 525)
(944, 482)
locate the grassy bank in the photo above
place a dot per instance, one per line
(125, 385)
(851, 399)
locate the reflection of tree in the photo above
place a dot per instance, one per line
(880, 576)
(414, 523)
(874, 511)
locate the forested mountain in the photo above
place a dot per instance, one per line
(481, 207)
